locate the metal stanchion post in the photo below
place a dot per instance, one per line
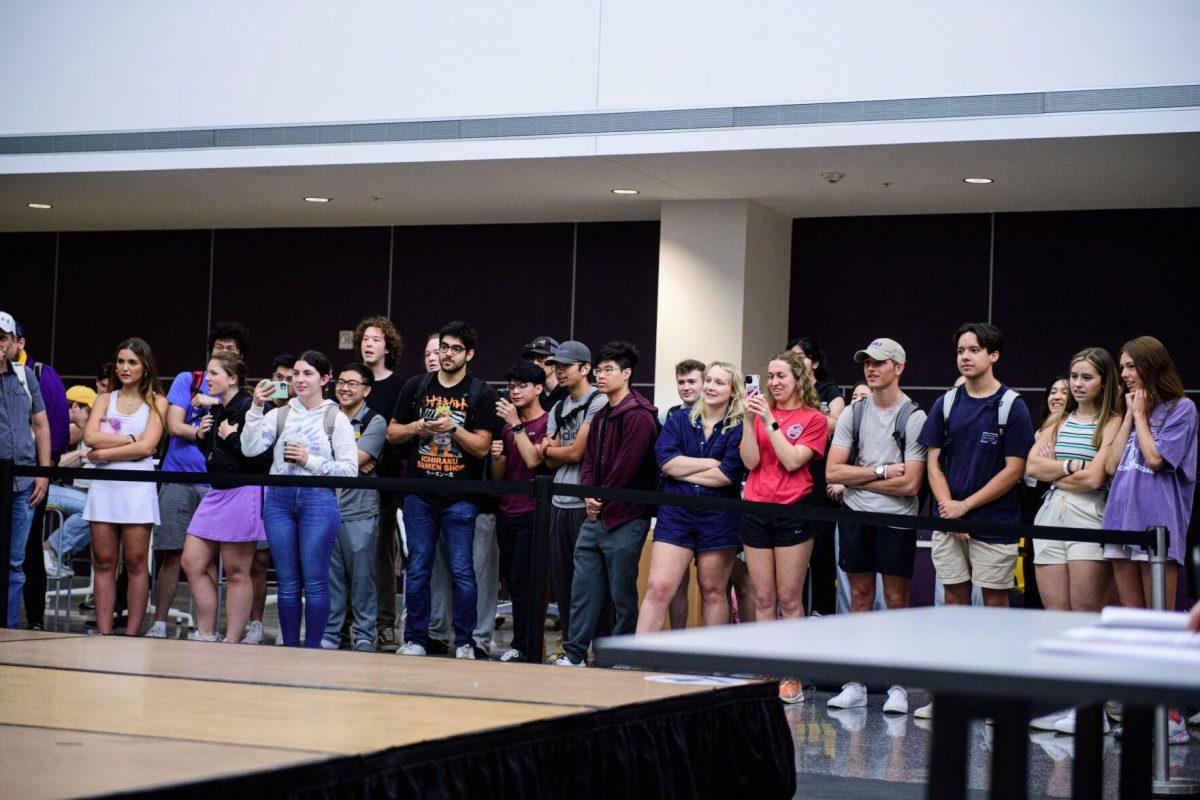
(1164, 784)
(543, 494)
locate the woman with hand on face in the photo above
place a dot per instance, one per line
(1069, 454)
(123, 432)
(699, 454)
(308, 436)
(228, 522)
(781, 435)
(1153, 467)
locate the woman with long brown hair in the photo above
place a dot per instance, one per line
(782, 433)
(123, 431)
(1070, 453)
(1153, 467)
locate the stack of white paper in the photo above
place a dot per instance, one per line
(1130, 633)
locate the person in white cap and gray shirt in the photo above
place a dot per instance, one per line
(24, 440)
(876, 456)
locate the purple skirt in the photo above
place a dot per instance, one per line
(230, 515)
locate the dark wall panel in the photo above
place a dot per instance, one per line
(1065, 281)
(295, 288)
(616, 288)
(912, 278)
(152, 284)
(512, 282)
(27, 262)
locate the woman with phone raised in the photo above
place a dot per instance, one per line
(307, 437)
(783, 432)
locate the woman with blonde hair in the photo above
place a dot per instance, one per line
(1070, 453)
(123, 432)
(698, 453)
(781, 435)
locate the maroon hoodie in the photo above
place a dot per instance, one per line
(620, 454)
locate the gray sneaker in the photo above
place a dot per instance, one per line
(467, 651)
(157, 631)
(364, 646)
(254, 633)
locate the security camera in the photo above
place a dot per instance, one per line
(833, 177)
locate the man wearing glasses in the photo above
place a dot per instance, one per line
(352, 567)
(451, 414)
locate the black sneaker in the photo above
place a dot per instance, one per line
(385, 639)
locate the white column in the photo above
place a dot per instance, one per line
(724, 270)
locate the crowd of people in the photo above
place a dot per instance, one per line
(1117, 450)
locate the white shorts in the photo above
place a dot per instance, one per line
(1069, 510)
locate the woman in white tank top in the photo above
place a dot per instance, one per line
(123, 431)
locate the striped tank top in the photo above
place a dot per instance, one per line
(1075, 440)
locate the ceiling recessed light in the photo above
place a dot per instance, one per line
(316, 199)
(39, 205)
(624, 191)
(977, 180)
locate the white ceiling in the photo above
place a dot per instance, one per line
(1144, 171)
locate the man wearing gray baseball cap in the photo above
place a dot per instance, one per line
(876, 456)
(563, 448)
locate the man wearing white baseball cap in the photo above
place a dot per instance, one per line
(24, 440)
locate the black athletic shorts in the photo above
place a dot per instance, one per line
(873, 548)
(782, 530)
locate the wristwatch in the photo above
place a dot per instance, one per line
(774, 426)
(881, 471)
(518, 428)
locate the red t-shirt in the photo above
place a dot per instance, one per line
(770, 482)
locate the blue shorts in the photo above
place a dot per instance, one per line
(698, 541)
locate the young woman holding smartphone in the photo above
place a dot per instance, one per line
(783, 431)
(228, 522)
(123, 432)
(308, 436)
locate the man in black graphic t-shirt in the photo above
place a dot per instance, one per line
(451, 416)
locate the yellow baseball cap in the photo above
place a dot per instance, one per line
(84, 395)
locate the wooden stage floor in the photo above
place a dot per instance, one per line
(91, 715)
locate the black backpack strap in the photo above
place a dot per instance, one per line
(422, 387)
(900, 432)
(856, 415)
(37, 370)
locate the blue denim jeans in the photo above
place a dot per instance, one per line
(352, 578)
(485, 558)
(422, 523)
(75, 533)
(302, 525)
(22, 518)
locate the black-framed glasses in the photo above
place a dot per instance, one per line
(349, 384)
(457, 349)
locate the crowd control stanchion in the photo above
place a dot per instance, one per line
(1164, 784)
(535, 634)
(6, 508)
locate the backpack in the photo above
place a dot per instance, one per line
(899, 432)
(561, 419)
(23, 379)
(1003, 407)
(329, 417)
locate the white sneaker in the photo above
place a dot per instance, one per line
(1047, 722)
(196, 636)
(565, 661)
(466, 651)
(897, 701)
(254, 633)
(157, 631)
(55, 569)
(511, 655)
(924, 712)
(1066, 724)
(328, 645)
(853, 695)
(410, 649)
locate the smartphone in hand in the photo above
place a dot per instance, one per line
(752, 385)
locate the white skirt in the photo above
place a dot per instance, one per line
(122, 502)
